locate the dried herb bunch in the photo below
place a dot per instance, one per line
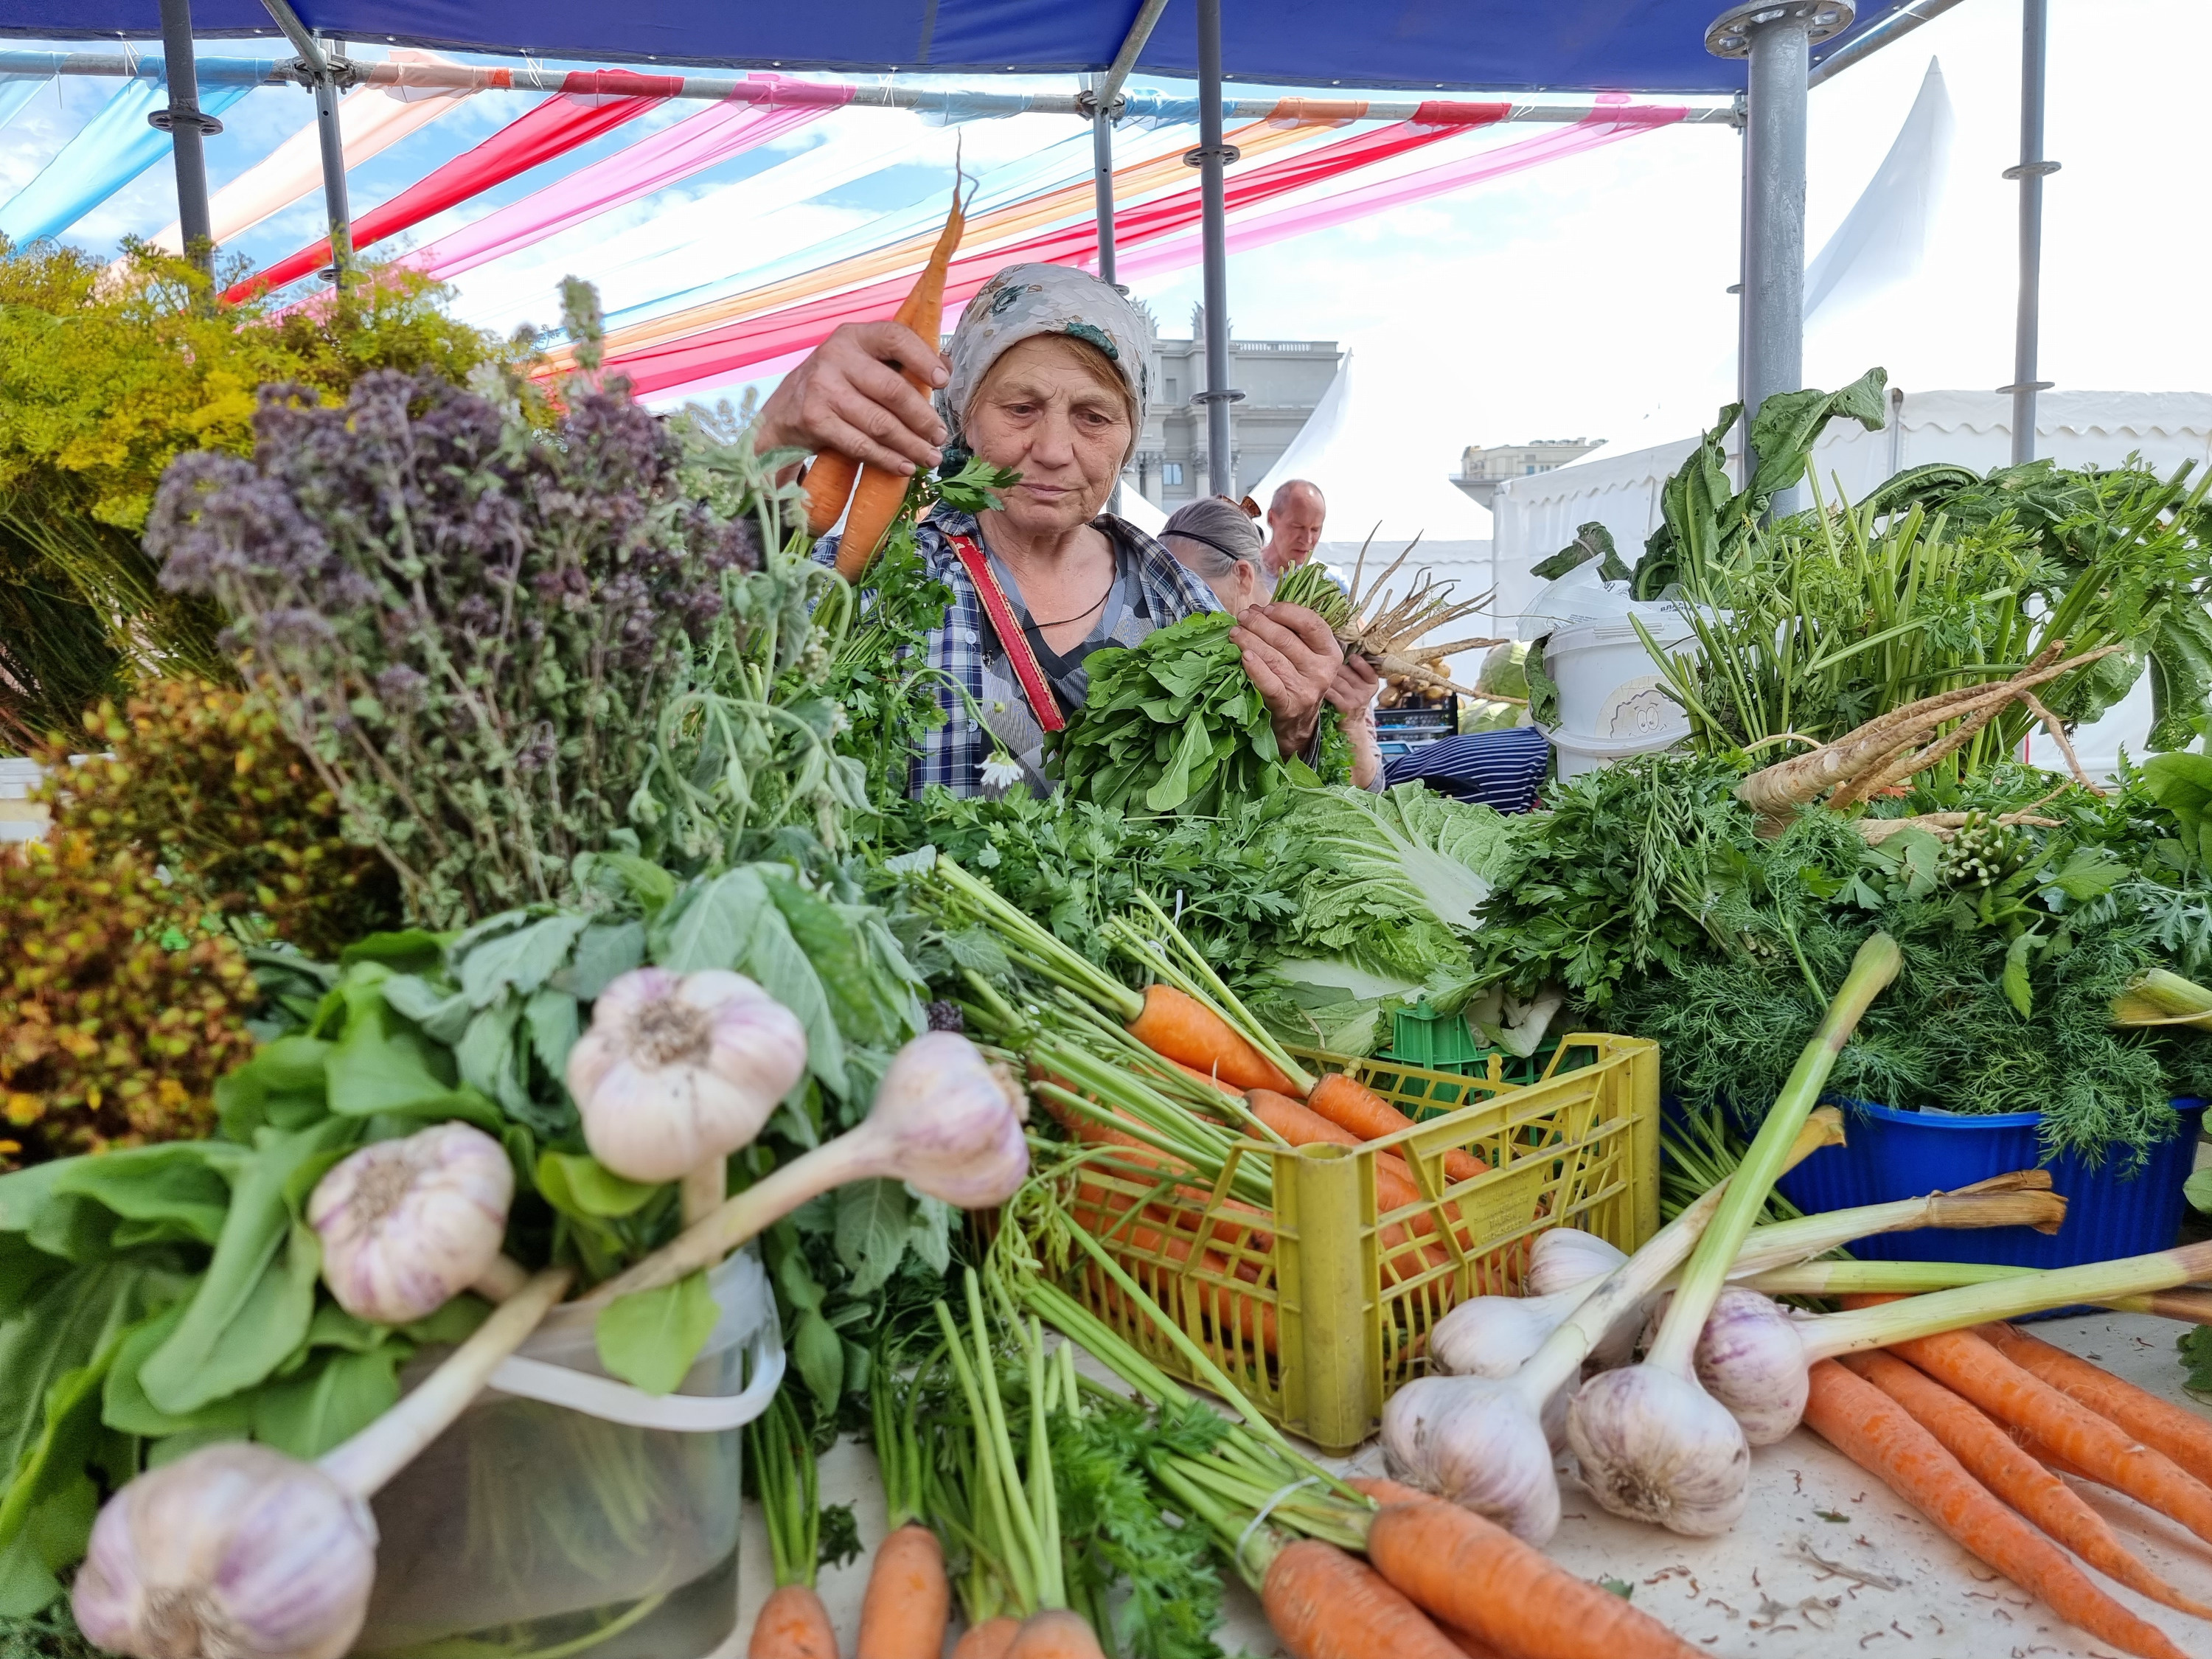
(467, 622)
(201, 780)
(123, 1002)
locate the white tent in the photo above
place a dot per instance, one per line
(1371, 491)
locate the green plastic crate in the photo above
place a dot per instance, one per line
(1423, 1038)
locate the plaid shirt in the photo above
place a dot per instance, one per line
(953, 754)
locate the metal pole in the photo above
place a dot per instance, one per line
(1102, 183)
(335, 205)
(1892, 28)
(2031, 173)
(1778, 40)
(324, 75)
(187, 127)
(1212, 155)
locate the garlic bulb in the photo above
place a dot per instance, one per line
(1652, 1445)
(946, 1120)
(407, 1224)
(235, 1551)
(1494, 1335)
(678, 1070)
(1567, 1258)
(950, 1122)
(1479, 1443)
(1751, 1357)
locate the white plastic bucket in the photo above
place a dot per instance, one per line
(570, 1512)
(1610, 689)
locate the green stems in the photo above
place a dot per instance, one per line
(1872, 969)
(791, 1506)
(1201, 982)
(1034, 947)
(2006, 1298)
(1027, 1514)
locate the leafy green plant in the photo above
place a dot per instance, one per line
(203, 781)
(124, 1001)
(104, 379)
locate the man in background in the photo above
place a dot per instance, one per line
(1294, 517)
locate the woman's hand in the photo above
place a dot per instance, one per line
(1294, 660)
(1351, 694)
(847, 397)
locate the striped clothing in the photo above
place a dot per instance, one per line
(967, 652)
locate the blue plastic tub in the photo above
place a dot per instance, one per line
(1892, 1155)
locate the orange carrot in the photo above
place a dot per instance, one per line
(1876, 1433)
(904, 1613)
(829, 487)
(1970, 1367)
(877, 496)
(1327, 1604)
(989, 1640)
(1347, 1102)
(1056, 1633)
(1470, 1646)
(1395, 1186)
(1206, 1078)
(2182, 1436)
(1181, 1028)
(792, 1624)
(1989, 1456)
(1473, 1574)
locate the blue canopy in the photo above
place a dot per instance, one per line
(1628, 46)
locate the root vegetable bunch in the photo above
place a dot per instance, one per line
(1383, 629)
(1892, 747)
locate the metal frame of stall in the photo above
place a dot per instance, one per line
(1775, 36)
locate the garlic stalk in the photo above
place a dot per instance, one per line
(1649, 1442)
(1493, 1335)
(238, 1552)
(1753, 1357)
(407, 1224)
(946, 1120)
(679, 1071)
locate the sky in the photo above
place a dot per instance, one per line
(1586, 298)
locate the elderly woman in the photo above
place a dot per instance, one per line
(1046, 378)
(1218, 541)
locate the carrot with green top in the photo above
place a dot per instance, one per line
(1350, 1104)
(792, 1624)
(1876, 1433)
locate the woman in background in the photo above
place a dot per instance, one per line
(1218, 543)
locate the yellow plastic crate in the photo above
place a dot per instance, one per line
(1321, 1311)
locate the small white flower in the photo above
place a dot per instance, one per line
(1001, 771)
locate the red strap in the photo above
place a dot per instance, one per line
(1000, 611)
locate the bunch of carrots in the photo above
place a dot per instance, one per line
(1168, 1079)
(1972, 1428)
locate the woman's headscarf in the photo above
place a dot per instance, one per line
(1022, 301)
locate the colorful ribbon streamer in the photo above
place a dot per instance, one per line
(714, 135)
(371, 119)
(717, 352)
(1012, 220)
(1259, 231)
(590, 102)
(17, 90)
(108, 153)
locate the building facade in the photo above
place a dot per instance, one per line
(1481, 471)
(1282, 380)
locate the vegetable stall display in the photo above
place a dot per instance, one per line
(522, 911)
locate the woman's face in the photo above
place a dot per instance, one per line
(1237, 590)
(1044, 412)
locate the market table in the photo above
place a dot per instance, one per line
(1827, 1560)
